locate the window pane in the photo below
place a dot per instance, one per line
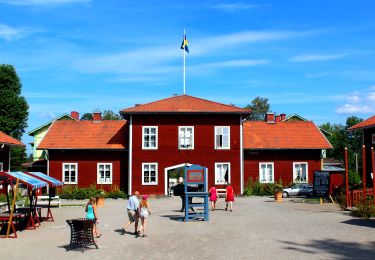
(66, 167)
(153, 131)
(146, 131)
(225, 130)
(72, 167)
(153, 178)
(225, 141)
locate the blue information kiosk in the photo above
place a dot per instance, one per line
(196, 187)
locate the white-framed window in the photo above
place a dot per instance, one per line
(104, 171)
(300, 172)
(222, 173)
(222, 137)
(1, 166)
(266, 172)
(186, 137)
(149, 174)
(149, 137)
(70, 173)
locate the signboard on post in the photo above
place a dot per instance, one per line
(321, 183)
(195, 176)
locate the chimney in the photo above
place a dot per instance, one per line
(96, 116)
(282, 117)
(75, 115)
(270, 117)
(277, 118)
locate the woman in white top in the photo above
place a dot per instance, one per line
(145, 212)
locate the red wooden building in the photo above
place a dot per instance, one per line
(161, 136)
(87, 152)
(169, 133)
(368, 128)
(287, 150)
(6, 142)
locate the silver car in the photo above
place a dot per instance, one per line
(298, 189)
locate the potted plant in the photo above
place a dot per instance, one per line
(278, 192)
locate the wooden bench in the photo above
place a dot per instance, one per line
(43, 201)
(221, 192)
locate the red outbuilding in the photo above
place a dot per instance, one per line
(286, 150)
(6, 142)
(87, 152)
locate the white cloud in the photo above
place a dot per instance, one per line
(11, 33)
(233, 7)
(358, 103)
(42, 2)
(316, 57)
(156, 60)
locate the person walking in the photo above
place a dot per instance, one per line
(213, 197)
(91, 213)
(145, 212)
(133, 213)
(229, 197)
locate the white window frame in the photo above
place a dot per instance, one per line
(222, 148)
(63, 173)
(156, 138)
(273, 172)
(99, 179)
(156, 173)
(179, 138)
(1, 166)
(229, 173)
(294, 173)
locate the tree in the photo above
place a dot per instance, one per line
(110, 115)
(342, 138)
(86, 116)
(259, 107)
(13, 111)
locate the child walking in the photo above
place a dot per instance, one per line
(229, 197)
(145, 212)
(92, 214)
(213, 197)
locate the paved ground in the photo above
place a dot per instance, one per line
(258, 228)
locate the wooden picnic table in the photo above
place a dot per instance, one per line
(32, 215)
(4, 218)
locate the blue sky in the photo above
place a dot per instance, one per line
(315, 58)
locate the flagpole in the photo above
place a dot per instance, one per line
(184, 66)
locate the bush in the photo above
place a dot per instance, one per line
(354, 178)
(72, 192)
(255, 188)
(366, 209)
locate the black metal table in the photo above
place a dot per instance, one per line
(81, 235)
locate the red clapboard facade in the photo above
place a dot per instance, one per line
(140, 152)
(184, 130)
(87, 152)
(286, 150)
(368, 129)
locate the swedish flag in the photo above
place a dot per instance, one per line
(184, 45)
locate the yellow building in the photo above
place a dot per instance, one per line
(39, 133)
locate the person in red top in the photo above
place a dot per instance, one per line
(229, 197)
(213, 197)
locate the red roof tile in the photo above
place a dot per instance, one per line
(284, 135)
(67, 134)
(184, 104)
(364, 124)
(6, 139)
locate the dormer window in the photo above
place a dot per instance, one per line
(185, 137)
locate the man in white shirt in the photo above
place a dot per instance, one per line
(133, 213)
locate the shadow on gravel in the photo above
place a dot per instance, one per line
(361, 222)
(338, 249)
(174, 217)
(121, 231)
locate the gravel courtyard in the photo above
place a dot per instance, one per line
(258, 228)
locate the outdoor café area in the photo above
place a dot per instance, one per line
(29, 214)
